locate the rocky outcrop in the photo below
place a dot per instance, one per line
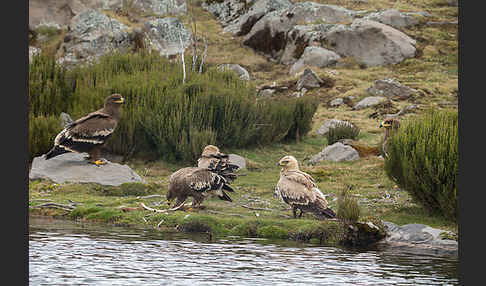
(379, 44)
(421, 238)
(336, 152)
(315, 57)
(324, 128)
(74, 168)
(239, 70)
(391, 88)
(165, 35)
(393, 18)
(368, 102)
(309, 80)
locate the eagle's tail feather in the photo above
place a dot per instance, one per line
(328, 213)
(55, 151)
(224, 197)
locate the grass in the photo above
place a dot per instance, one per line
(434, 73)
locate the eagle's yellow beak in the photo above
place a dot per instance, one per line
(122, 100)
(384, 124)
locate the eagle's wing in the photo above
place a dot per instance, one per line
(202, 180)
(86, 132)
(295, 188)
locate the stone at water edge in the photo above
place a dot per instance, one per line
(74, 168)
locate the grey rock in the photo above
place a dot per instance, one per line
(369, 101)
(65, 119)
(336, 102)
(72, 167)
(379, 44)
(394, 18)
(55, 13)
(391, 88)
(92, 35)
(239, 70)
(165, 35)
(237, 160)
(336, 152)
(316, 57)
(267, 92)
(308, 80)
(324, 128)
(420, 237)
(225, 11)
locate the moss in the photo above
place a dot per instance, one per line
(271, 231)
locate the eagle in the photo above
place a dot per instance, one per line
(89, 133)
(299, 190)
(213, 175)
(390, 124)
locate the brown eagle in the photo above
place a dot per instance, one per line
(212, 176)
(390, 125)
(89, 133)
(299, 190)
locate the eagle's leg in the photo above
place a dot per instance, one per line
(301, 212)
(179, 202)
(94, 155)
(294, 210)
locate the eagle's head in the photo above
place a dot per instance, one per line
(389, 123)
(114, 100)
(210, 150)
(288, 163)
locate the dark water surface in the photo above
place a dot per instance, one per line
(69, 253)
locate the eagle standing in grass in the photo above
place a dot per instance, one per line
(89, 133)
(299, 190)
(212, 176)
(390, 124)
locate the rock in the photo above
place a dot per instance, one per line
(267, 92)
(269, 34)
(379, 44)
(336, 102)
(316, 57)
(55, 13)
(336, 152)
(391, 88)
(73, 167)
(330, 124)
(239, 70)
(165, 35)
(369, 101)
(65, 119)
(158, 7)
(237, 160)
(92, 35)
(226, 10)
(243, 24)
(420, 237)
(309, 80)
(394, 18)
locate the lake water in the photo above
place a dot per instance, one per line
(70, 253)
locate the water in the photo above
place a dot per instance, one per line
(69, 253)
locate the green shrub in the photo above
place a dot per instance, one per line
(42, 131)
(162, 116)
(348, 208)
(423, 160)
(342, 131)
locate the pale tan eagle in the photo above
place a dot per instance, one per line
(299, 190)
(212, 176)
(89, 133)
(390, 125)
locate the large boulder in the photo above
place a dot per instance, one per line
(54, 12)
(237, 160)
(368, 102)
(394, 18)
(314, 57)
(74, 168)
(391, 88)
(336, 152)
(371, 43)
(309, 80)
(92, 35)
(165, 35)
(421, 238)
(324, 128)
(239, 70)
(225, 11)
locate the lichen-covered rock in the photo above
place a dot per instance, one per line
(56, 13)
(225, 11)
(239, 70)
(371, 43)
(315, 57)
(336, 102)
(394, 18)
(324, 128)
(368, 102)
(308, 80)
(336, 152)
(74, 168)
(391, 88)
(165, 35)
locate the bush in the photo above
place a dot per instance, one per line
(162, 116)
(42, 131)
(348, 208)
(423, 160)
(342, 131)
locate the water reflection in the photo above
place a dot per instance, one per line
(67, 253)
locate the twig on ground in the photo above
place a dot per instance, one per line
(55, 206)
(258, 209)
(230, 214)
(148, 197)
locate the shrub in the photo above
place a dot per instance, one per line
(348, 208)
(342, 131)
(42, 131)
(164, 117)
(423, 160)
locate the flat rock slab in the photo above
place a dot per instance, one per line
(74, 168)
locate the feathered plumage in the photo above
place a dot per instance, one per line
(89, 133)
(299, 190)
(390, 125)
(212, 159)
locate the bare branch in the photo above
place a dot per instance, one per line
(257, 209)
(182, 56)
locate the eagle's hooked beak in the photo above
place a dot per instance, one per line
(384, 124)
(122, 100)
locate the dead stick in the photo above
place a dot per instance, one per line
(258, 209)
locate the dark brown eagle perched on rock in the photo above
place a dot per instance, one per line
(212, 177)
(299, 190)
(390, 125)
(89, 133)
